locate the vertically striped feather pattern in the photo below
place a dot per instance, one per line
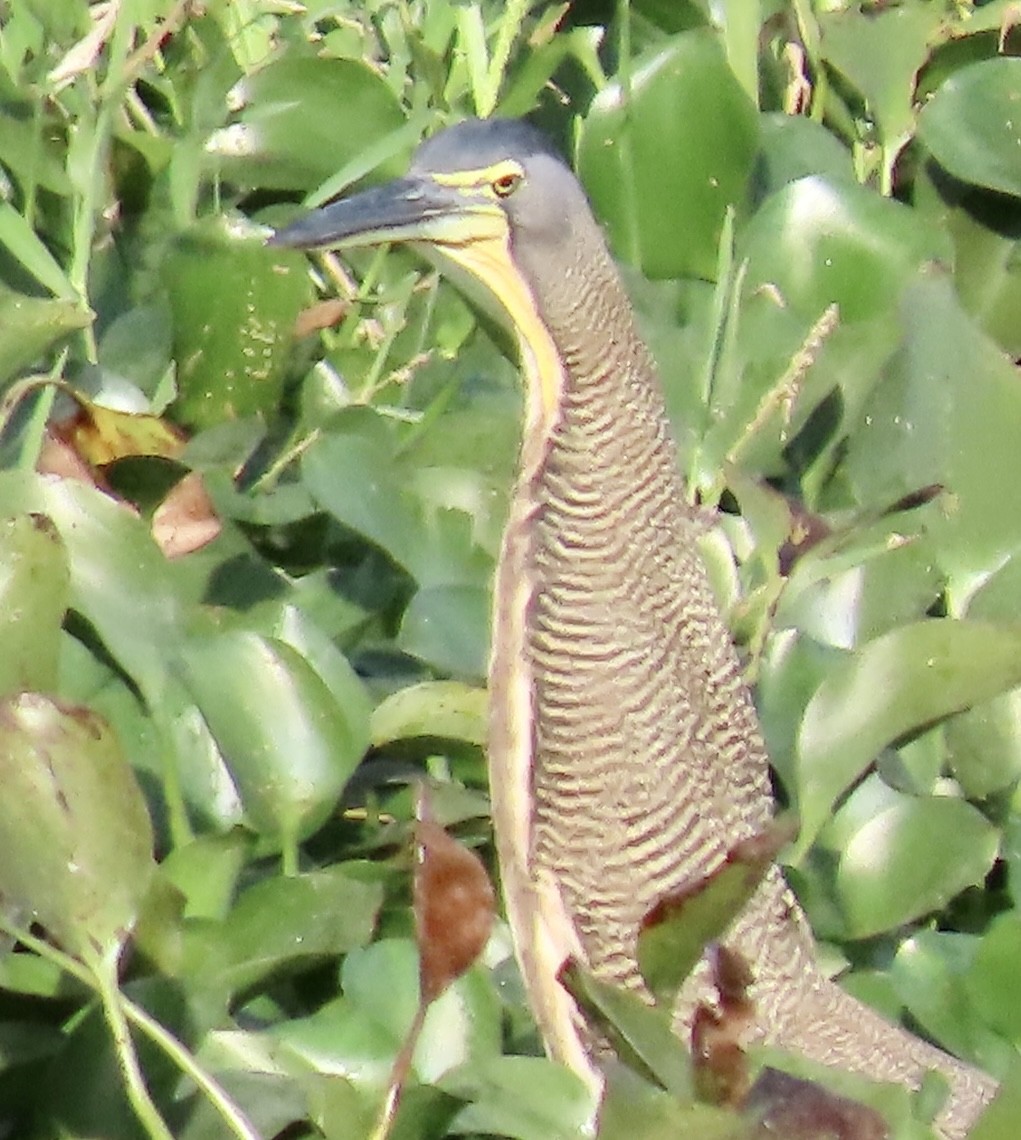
(647, 759)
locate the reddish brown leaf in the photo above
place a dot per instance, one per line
(454, 907)
(322, 315)
(185, 521)
(797, 1109)
(720, 1065)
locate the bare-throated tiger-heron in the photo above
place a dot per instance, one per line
(625, 754)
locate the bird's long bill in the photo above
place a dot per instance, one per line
(412, 209)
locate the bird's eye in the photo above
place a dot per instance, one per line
(506, 184)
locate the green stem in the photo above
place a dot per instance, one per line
(233, 1117)
(105, 974)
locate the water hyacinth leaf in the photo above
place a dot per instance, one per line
(234, 303)
(290, 922)
(901, 682)
(677, 930)
(972, 125)
(447, 627)
(382, 980)
(687, 135)
(445, 709)
(932, 975)
(526, 1098)
(821, 241)
(642, 1036)
(30, 326)
(992, 975)
(939, 846)
(881, 52)
(999, 1121)
(287, 134)
(34, 593)
(941, 415)
(75, 835)
(289, 745)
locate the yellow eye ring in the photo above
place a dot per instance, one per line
(506, 184)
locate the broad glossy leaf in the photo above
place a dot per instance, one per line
(899, 683)
(881, 53)
(634, 1108)
(30, 326)
(289, 745)
(993, 975)
(359, 1035)
(527, 1098)
(933, 973)
(820, 241)
(234, 304)
(449, 709)
(448, 628)
(34, 595)
(301, 119)
(983, 746)
(938, 846)
(679, 147)
(353, 474)
(795, 147)
(999, 1121)
(296, 627)
(642, 1036)
(678, 930)
(290, 922)
(972, 125)
(75, 837)
(943, 414)
(110, 552)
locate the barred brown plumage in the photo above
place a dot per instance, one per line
(625, 753)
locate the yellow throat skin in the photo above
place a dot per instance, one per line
(625, 754)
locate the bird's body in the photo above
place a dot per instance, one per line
(625, 754)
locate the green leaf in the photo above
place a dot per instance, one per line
(680, 145)
(942, 415)
(999, 1121)
(289, 745)
(642, 1036)
(358, 1035)
(820, 241)
(75, 837)
(290, 922)
(526, 1098)
(881, 53)
(632, 1109)
(448, 709)
(288, 135)
(34, 592)
(938, 845)
(30, 326)
(448, 628)
(933, 973)
(676, 933)
(991, 979)
(234, 303)
(972, 125)
(897, 684)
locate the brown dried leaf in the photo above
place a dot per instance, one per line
(186, 520)
(101, 435)
(797, 1109)
(720, 1066)
(322, 315)
(454, 908)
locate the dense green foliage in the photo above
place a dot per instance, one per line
(818, 207)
